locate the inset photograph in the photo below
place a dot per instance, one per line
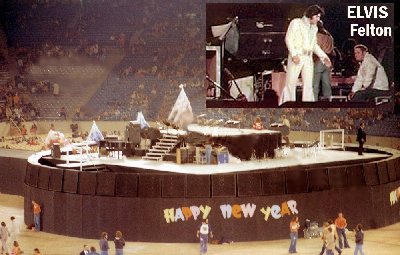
(268, 55)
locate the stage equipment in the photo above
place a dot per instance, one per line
(132, 133)
(329, 137)
(240, 96)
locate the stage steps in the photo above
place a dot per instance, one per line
(162, 147)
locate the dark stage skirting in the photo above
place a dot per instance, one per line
(244, 206)
(248, 206)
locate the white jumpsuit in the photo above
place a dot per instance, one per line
(301, 41)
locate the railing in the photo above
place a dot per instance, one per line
(13, 124)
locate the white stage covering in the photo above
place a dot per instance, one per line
(295, 157)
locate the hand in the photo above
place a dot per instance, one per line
(198, 235)
(327, 62)
(351, 95)
(296, 59)
(211, 235)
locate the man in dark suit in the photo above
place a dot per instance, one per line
(361, 138)
(85, 250)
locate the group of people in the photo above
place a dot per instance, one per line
(10, 235)
(306, 38)
(119, 242)
(331, 232)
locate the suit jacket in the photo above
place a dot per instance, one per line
(83, 253)
(361, 135)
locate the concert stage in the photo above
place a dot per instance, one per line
(295, 158)
(246, 201)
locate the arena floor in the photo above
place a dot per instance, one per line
(384, 241)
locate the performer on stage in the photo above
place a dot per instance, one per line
(258, 125)
(203, 233)
(301, 41)
(361, 138)
(322, 74)
(285, 135)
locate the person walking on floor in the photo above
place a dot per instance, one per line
(202, 234)
(14, 229)
(330, 241)
(325, 233)
(334, 231)
(4, 234)
(359, 238)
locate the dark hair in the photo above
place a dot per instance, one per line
(118, 234)
(12, 218)
(362, 47)
(36, 250)
(321, 28)
(92, 249)
(330, 222)
(104, 234)
(313, 10)
(3, 223)
(359, 226)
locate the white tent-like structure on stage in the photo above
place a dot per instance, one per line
(95, 134)
(181, 114)
(142, 121)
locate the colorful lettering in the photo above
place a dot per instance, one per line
(248, 210)
(236, 211)
(226, 211)
(195, 212)
(285, 209)
(205, 210)
(187, 212)
(292, 206)
(179, 215)
(169, 215)
(275, 211)
(266, 212)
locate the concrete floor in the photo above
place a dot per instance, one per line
(384, 241)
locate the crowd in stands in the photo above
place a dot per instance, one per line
(159, 54)
(15, 105)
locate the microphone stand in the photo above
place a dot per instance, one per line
(241, 96)
(216, 85)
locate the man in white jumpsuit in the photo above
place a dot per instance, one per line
(301, 41)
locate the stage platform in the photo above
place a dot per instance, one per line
(246, 201)
(294, 157)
